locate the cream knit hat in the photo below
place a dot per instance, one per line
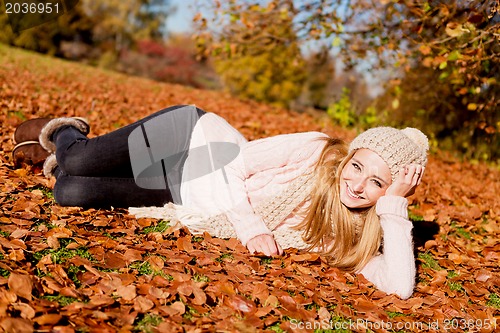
(397, 148)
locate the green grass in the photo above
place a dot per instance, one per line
(463, 233)
(189, 312)
(47, 192)
(160, 227)
(494, 301)
(460, 231)
(17, 114)
(200, 278)
(107, 234)
(429, 261)
(197, 239)
(5, 273)
(144, 268)
(38, 222)
(394, 314)
(62, 300)
(148, 323)
(224, 256)
(73, 272)
(455, 286)
(266, 261)
(276, 328)
(62, 254)
(415, 217)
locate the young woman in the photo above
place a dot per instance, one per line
(304, 190)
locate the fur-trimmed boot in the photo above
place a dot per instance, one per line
(27, 149)
(49, 166)
(45, 138)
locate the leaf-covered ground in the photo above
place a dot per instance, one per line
(66, 269)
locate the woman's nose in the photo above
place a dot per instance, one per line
(358, 185)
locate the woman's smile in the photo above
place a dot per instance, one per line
(352, 194)
(364, 179)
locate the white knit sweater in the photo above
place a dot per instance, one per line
(268, 171)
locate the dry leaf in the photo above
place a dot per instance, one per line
(128, 293)
(88, 254)
(21, 285)
(16, 325)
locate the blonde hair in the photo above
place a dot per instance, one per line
(329, 225)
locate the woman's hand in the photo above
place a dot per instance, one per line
(264, 244)
(406, 181)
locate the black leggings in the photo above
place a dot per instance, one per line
(98, 172)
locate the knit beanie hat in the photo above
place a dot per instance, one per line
(397, 148)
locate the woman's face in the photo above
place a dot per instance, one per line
(364, 179)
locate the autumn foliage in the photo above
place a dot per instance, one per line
(67, 269)
(438, 60)
(258, 55)
(172, 62)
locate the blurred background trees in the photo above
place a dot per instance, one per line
(128, 36)
(258, 54)
(423, 63)
(440, 61)
(106, 25)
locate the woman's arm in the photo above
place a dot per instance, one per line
(288, 154)
(394, 270)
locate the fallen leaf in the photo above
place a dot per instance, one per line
(21, 285)
(143, 304)
(128, 293)
(16, 325)
(48, 319)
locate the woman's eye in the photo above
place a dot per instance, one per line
(377, 183)
(356, 166)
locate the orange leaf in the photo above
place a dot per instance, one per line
(242, 304)
(16, 325)
(143, 304)
(27, 312)
(48, 319)
(128, 293)
(114, 260)
(21, 285)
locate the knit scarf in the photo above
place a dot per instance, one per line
(273, 211)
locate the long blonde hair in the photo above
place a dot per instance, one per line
(329, 225)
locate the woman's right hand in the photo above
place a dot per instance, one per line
(264, 244)
(406, 181)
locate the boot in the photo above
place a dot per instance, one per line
(27, 149)
(46, 140)
(49, 166)
(52, 126)
(30, 129)
(29, 135)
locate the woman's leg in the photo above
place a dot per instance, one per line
(105, 155)
(97, 172)
(105, 192)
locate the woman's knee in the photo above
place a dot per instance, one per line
(70, 161)
(68, 192)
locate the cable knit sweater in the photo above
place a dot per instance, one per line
(236, 201)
